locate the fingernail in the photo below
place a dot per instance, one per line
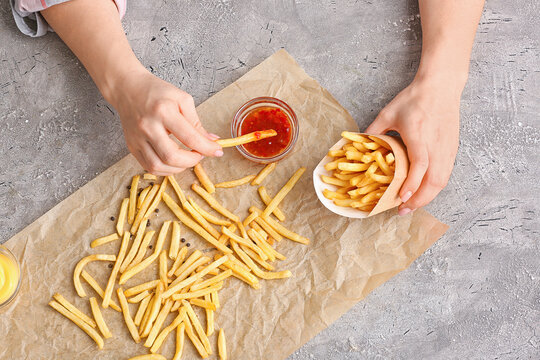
(404, 211)
(406, 196)
(213, 136)
(218, 153)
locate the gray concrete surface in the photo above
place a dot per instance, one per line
(474, 295)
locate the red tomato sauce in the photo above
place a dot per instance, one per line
(265, 118)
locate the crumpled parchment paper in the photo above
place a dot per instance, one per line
(345, 261)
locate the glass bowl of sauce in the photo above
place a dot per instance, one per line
(10, 276)
(264, 113)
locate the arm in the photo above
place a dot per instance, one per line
(426, 113)
(150, 109)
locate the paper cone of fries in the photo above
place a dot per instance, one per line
(389, 199)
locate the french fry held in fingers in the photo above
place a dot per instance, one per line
(235, 183)
(81, 324)
(204, 179)
(247, 138)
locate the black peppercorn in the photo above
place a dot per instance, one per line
(112, 218)
(188, 244)
(150, 246)
(110, 266)
(148, 223)
(157, 210)
(129, 187)
(183, 240)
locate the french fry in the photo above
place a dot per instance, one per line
(149, 357)
(245, 242)
(122, 215)
(180, 331)
(175, 240)
(334, 195)
(184, 218)
(94, 285)
(70, 307)
(81, 264)
(372, 196)
(211, 281)
(155, 202)
(371, 145)
(176, 306)
(241, 274)
(98, 316)
(146, 315)
(360, 147)
(249, 219)
(190, 280)
(149, 176)
(281, 229)
(270, 251)
(345, 176)
(165, 332)
(198, 293)
(364, 189)
(214, 203)
(389, 158)
(81, 324)
(333, 165)
(215, 299)
(154, 310)
(142, 196)
(195, 255)
(144, 208)
(209, 217)
(133, 198)
(158, 323)
(182, 275)
(208, 305)
(253, 255)
(223, 238)
(209, 315)
(104, 240)
(197, 325)
(133, 270)
(141, 310)
(142, 287)
(222, 347)
(163, 267)
(283, 192)
(201, 220)
(244, 139)
(204, 179)
(143, 248)
(266, 199)
(178, 261)
(177, 189)
(114, 272)
(213, 272)
(194, 339)
(135, 246)
(380, 142)
(268, 229)
(354, 137)
(344, 190)
(336, 153)
(382, 179)
(235, 183)
(138, 298)
(344, 203)
(347, 166)
(263, 174)
(334, 181)
(268, 275)
(127, 316)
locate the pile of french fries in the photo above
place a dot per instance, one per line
(361, 171)
(187, 282)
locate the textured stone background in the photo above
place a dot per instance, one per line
(474, 295)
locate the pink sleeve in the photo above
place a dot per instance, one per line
(24, 10)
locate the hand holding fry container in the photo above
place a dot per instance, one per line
(362, 174)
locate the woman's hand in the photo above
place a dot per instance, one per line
(426, 115)
(150, 109)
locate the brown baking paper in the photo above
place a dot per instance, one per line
(345, 261)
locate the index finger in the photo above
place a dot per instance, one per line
(184, 131)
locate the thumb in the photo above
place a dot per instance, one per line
(380, 125)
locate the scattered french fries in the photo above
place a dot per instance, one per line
(361, 171)
(193, 279)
